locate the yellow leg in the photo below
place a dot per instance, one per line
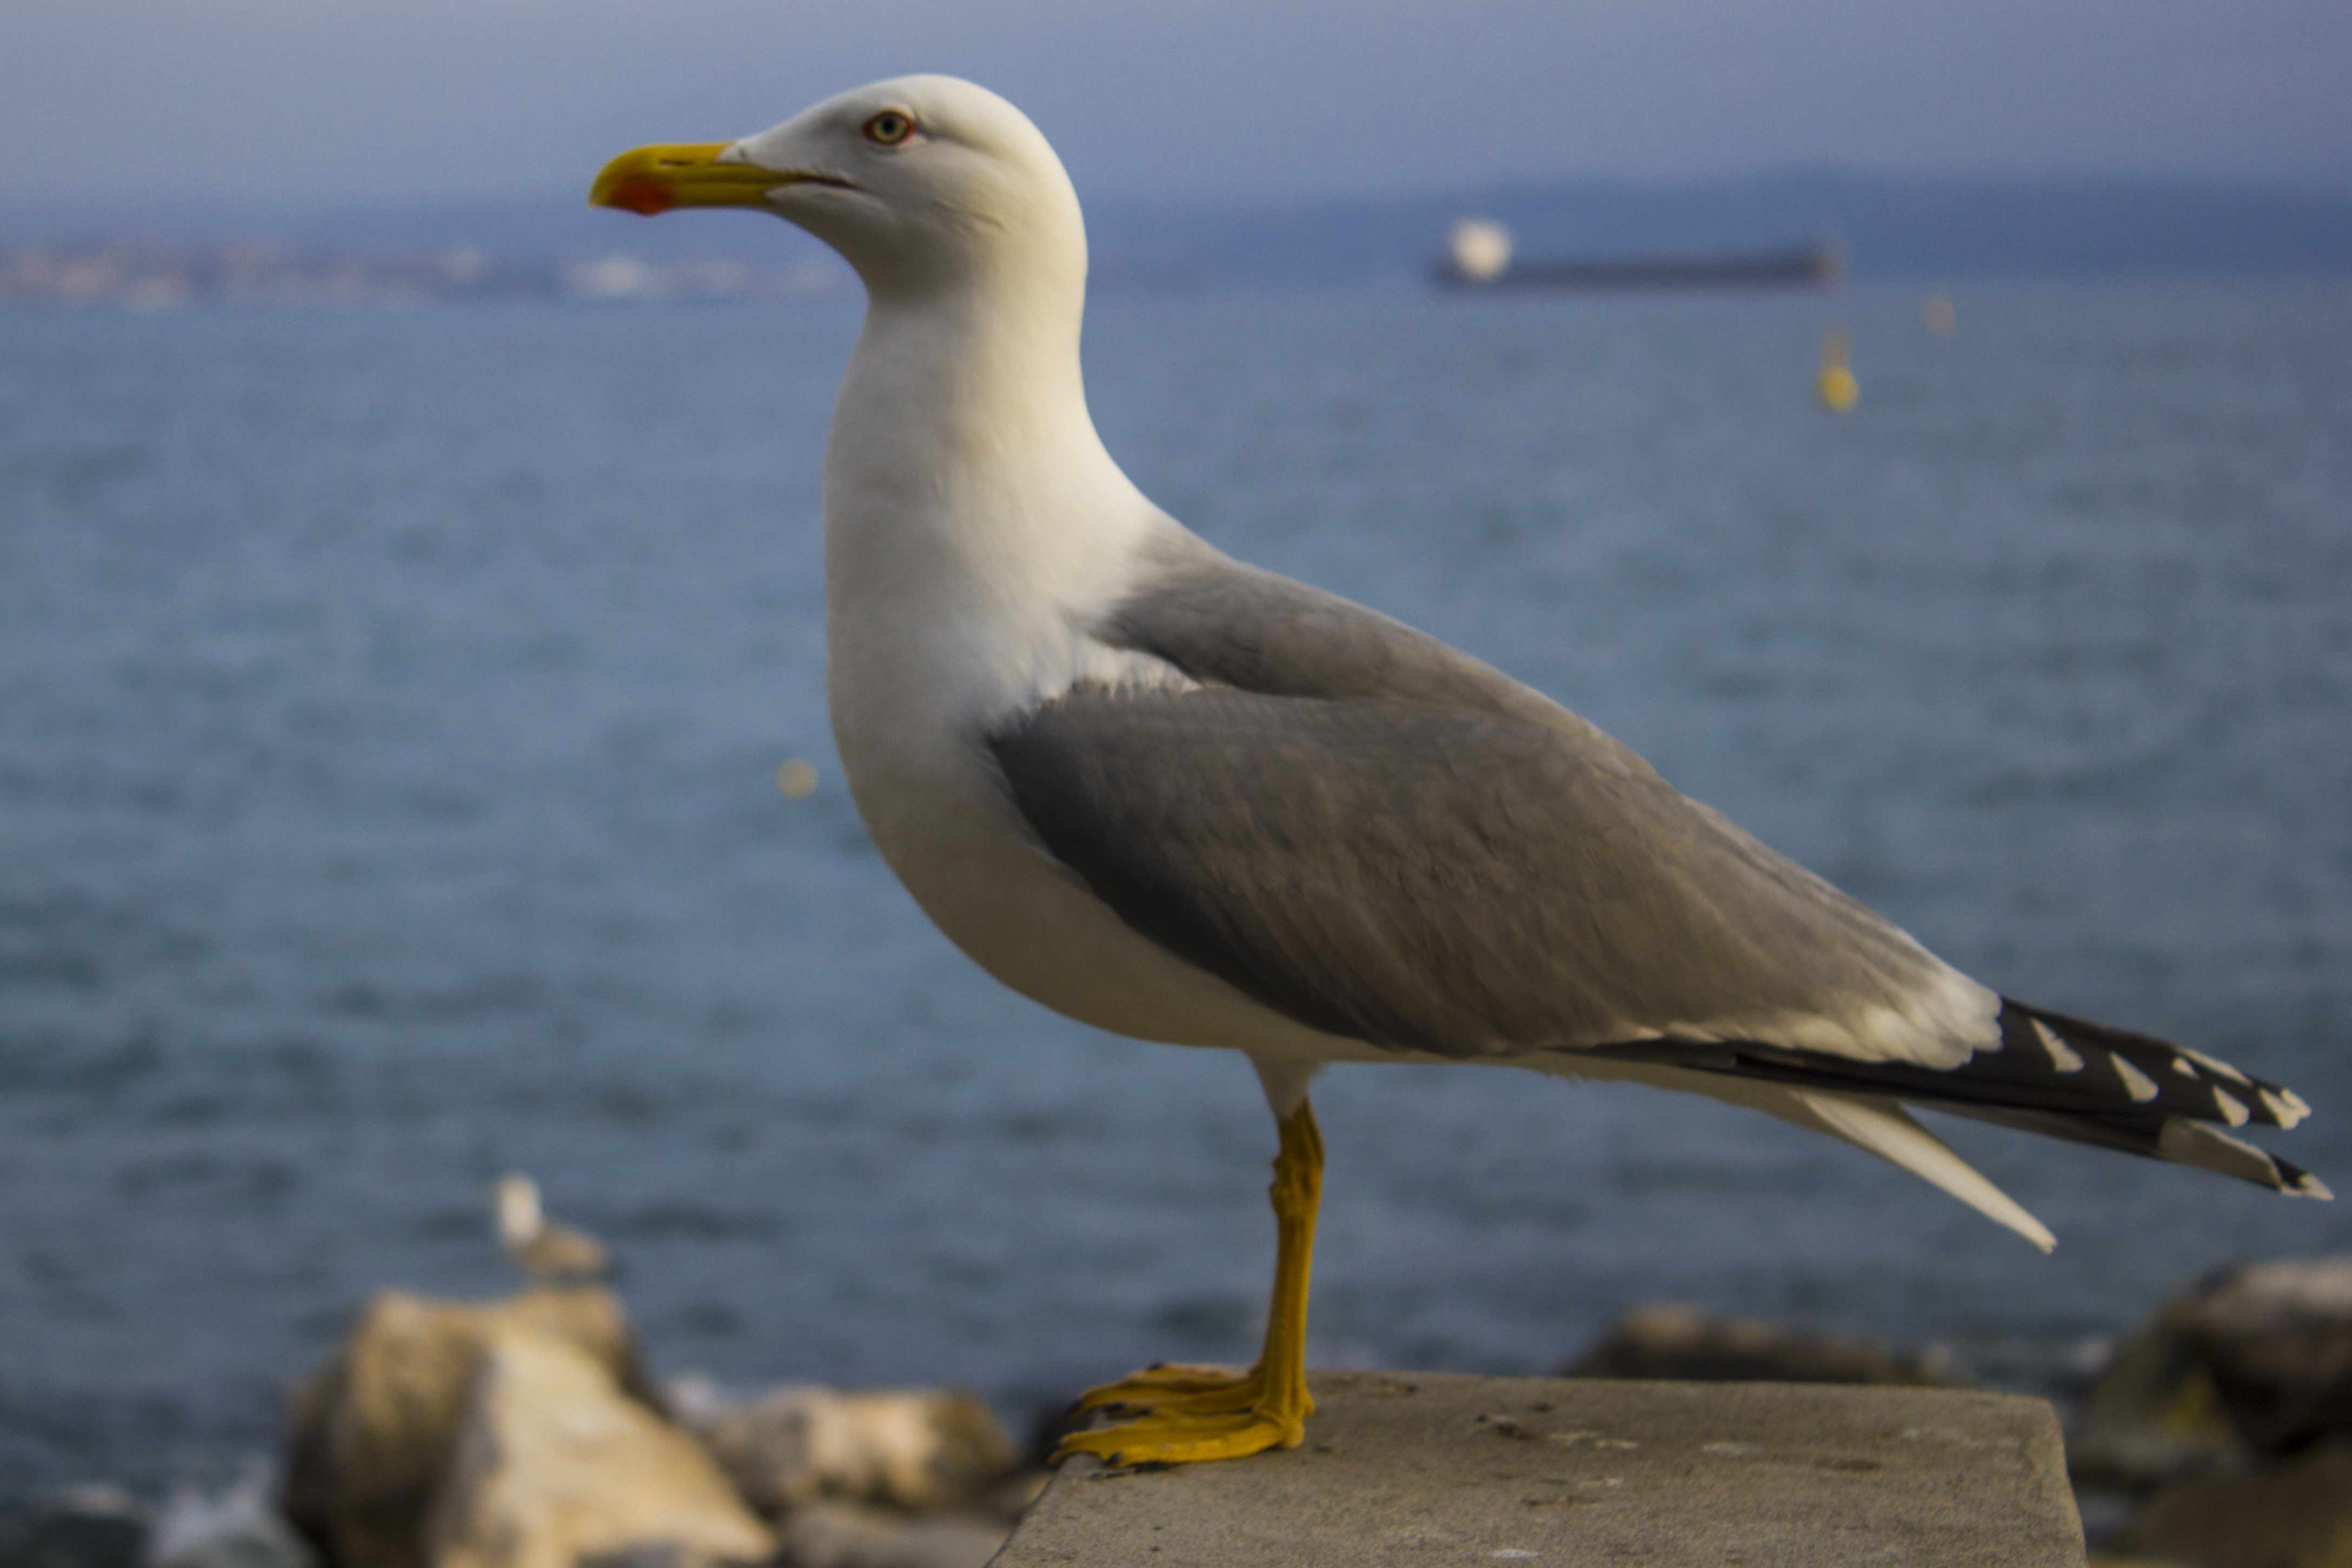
(1193, 1412)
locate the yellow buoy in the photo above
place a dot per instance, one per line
(1838, 388)
(1839, 391)
(796, 780)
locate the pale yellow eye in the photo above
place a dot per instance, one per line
(891, 127)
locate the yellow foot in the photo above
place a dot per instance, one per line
(1179, 1387)
(1193, 1414)
(1186, 1439)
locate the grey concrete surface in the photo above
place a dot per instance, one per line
(1422, 1468)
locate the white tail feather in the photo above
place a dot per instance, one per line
(1886, 1130)
(1880, 1127)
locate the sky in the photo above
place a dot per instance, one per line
(360, 101)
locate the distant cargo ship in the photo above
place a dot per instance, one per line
(1478, 255)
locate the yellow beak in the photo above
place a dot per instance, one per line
(652, 180)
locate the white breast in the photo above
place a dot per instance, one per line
(970, 544)
(933, 800)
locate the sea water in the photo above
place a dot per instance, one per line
(392, 702)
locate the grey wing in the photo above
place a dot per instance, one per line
(1460, 883)
(1445, 881)
(1226, 623)
(1477, 868)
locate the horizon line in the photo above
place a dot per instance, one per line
(2308, 184)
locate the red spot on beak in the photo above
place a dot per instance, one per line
(643, 197)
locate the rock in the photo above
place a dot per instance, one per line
(2277, 1338)
(2296, 1516)
(844, 1535)
(372, 1432)
(916, 1450)
(79, 1527)
(240, 1529)
(2153, 1416)
(1424, 1468)
(555, 1462)
(2251, 1364)
(1667, 1339)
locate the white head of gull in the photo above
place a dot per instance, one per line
(1185, 800)
(543, 1251)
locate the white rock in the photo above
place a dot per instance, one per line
(554, 1463)
(373, 1430)
(919, 1450)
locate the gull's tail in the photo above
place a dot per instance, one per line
(2051, 1074)
(1886, 1130)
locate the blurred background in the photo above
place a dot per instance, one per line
(409, 596)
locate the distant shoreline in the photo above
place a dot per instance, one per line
(1948, 229)
(144, 277)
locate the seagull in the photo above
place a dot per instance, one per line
(543, 1250)
(1178, 798)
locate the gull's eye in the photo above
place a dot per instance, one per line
(890, 127)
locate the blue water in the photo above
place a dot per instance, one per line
(390, 705)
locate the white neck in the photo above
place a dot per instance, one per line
(972, 517)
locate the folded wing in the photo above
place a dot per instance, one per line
(1383, 839)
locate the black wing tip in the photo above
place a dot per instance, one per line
(2297, 1183)
(2054, 1076)
(2169, 1080)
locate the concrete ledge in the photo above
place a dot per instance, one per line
(1410, 1468)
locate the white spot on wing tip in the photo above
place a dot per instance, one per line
(2063, 1056)
(2233, 1109)
(2310, 1187)
(2286, 1105)
(2142, 1088)
(2184, 1066)
(2215, 1065)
